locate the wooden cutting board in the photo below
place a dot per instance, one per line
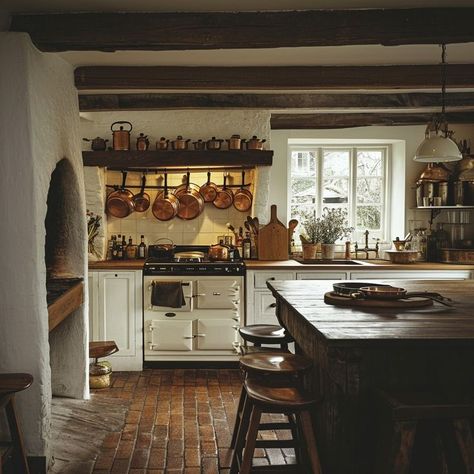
(337, 300)
(273, 239)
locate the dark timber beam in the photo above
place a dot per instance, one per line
(108, 102)
(272, 78)
(323, 121)
(271, 29)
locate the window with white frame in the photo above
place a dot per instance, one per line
(354, 178)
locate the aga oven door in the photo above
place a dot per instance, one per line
(216, 334)
(171, 335)
(218, 294)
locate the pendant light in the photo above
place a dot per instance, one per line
(438, 146)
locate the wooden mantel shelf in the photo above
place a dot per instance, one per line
(167, 158)
(64, 296)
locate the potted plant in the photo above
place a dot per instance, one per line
(93, 224)
(323, 231)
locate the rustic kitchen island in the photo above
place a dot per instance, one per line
(357, 350)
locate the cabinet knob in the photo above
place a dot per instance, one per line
(271, 279)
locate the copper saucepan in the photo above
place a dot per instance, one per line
(208, 190)
(142, 199)
(120, 202)
(243, 197)
(166, 204)
(191, 203)
(224, 197)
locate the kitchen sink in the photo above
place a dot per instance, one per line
(319, 261)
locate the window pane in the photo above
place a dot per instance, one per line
(335, 190)
(303, 163)
(303, 195)
(335, 163)
(369, 190)
(369, 217)
(369, 163)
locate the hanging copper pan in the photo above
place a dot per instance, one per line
(243, 197)
(120, 202)
(166, 204)
(142, 199)
(191, 203)
(224, 197)
(208, 190)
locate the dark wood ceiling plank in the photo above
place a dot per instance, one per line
(150, 101)
(325, 121)
(273, 78)
(234, 30)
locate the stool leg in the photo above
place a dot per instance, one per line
(465, 442)
(241, 434)
(251, 440)
(238, 417)
(17, 440)
(304, 419)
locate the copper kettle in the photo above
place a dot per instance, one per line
(255, 143)
(97, 143)
(218, 252)
(121, 137)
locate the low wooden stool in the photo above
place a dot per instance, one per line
(424, 416)
(99, 372)
(268, 396)
(259, 334)
(13, 452)
(281, 365)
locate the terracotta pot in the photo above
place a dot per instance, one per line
(309, 251)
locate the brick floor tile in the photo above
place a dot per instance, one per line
(157, 458)
(175, 462)
(120, 466)
(210, 466)
(111, 440)
(192, 457)
(225, 457)
(140, 458)
(105, 459)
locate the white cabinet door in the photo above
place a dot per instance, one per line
(93, 280)
(328, 275)
(217, 294)
(172, 335)
(216, 334)
(120, 316)
(265, 308)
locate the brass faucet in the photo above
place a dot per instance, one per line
(367, 249)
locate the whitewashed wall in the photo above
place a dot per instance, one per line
(193, 124)
(39, 126)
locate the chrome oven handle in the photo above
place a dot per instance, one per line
(189, 337)
(200, 335)
(199, 294)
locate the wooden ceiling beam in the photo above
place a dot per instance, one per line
(324, 121)
(273, 78)
(236, 30)
(150, 101)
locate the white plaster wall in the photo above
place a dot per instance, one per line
(404, 140)
(193, 124)
(39, 125)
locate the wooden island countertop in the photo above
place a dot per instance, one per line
(358, 350)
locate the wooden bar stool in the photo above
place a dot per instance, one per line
(13, 452)
(268, 396)
(279, 365)
(99, 372)
(439, 424)
(271, 334)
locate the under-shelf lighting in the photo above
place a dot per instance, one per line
(438, 146)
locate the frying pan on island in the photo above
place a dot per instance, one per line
(387, 292)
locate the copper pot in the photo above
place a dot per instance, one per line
(218, 252)
(98, 144)
(121, 137)
(435, 172)
(224, 197)
(199, 145)
(180, 143)
(142, 142)
(255, 143)
(162, 144)
(191, 203)
(214, 144)
(235, 142)
(166, 205)
(243, 197)
(142, 199)
(120, 202)
(208, 190)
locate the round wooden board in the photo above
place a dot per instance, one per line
(419, 302)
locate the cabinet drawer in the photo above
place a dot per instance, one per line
(261, 278)
(321, 276)
(265, 308)
(412, 275)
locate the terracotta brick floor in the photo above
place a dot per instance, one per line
(179, 421)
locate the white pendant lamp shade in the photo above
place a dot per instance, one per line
(436, 149)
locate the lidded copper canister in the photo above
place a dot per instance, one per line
(121, 137)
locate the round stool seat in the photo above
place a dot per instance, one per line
(287, 397)
(12, 383)
(265, 334)
(275, 362)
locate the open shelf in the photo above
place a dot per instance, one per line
(184, 158)
(64, 295)
(445, 207)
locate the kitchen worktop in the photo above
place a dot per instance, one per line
(295, 265)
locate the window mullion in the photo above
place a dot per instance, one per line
(319, 180)
(353, 189)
